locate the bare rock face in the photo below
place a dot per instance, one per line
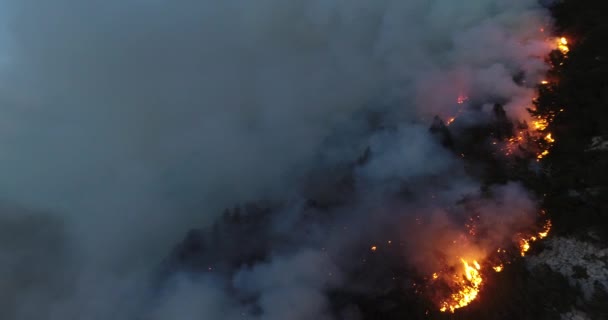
(575, 315)
(598, 144)
(582, 263)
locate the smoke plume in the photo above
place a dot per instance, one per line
(125, 124)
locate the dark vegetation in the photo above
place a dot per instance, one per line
(576, 183)
(573, 181)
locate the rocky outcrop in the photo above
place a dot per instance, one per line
(582, 263)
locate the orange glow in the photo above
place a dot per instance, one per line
(524, 243)
(476, 265)
(542, 154)
(467, 287)
(462, 98)
(374, 248)
(524, 247)
(543, 234)
(465, 279)
(562, 45)
(540, 124)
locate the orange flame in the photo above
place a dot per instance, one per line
(543, 154)
(540, 124)
(524, 243)
(545, 232)
(467, 282)
(468, 285)
(524, 246)
(562, 45)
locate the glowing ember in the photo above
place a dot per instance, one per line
(543, 154)
(540, 124)
(498, 268)
(462, 98)
(524, 246)
(524, 243)
(467, 288)
(435, 276)
(373, 248)
(544, 82)
(549, 138)
(562, 45)
(543, 234)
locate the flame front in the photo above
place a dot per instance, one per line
(524, 243)
(467, 284)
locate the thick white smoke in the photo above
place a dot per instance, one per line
(129, 122)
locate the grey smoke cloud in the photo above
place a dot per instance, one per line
(130, 122)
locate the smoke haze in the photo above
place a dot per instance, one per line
(126, 123)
